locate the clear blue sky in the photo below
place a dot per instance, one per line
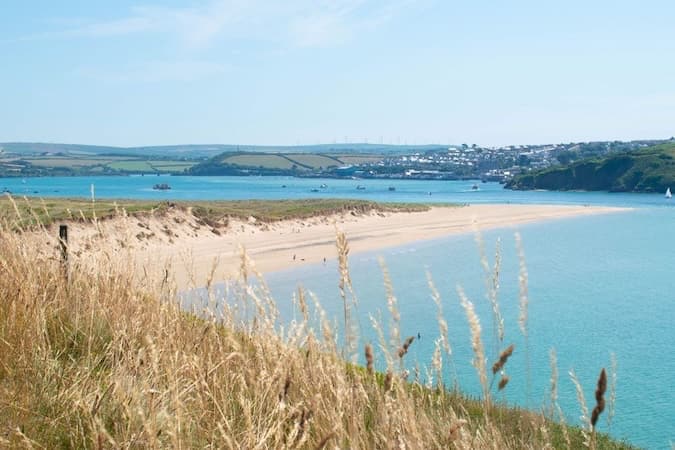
(308, 71)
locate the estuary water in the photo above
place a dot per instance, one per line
(597, 285)
(238, 188)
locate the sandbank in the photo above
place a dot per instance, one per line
(177, 246)
(196, 257)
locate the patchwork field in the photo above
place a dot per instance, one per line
(301, 161)
(262, 160)
(68, 162)
(315, 161)
(239, 162)
(89, 164)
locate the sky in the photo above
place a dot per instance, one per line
(272, 72)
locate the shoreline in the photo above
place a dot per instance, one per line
(178, 247)
(195, 259)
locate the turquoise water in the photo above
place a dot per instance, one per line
(234, 188)
(598, 284)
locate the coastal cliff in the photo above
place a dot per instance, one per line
(646, 170)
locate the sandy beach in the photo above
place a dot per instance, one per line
(194, 252)
(289, 244)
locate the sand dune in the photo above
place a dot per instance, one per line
(194, 252)
(290, 244)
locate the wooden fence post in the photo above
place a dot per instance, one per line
(63, 245)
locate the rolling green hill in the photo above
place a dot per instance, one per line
(26, 159)
(651, 169)
(256, 163)
(72, 165)
(203, 151)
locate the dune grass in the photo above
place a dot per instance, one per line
(104, 359)
(34, 212)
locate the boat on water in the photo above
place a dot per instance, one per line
(161, 187)
(668, 193)
(323, 186)
(392, 188)
(361, 187)
(474, 187)
(314, 190)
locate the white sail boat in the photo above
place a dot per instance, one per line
(668, 194)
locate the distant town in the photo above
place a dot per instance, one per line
(436, 162)
(488, 164)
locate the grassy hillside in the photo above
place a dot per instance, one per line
(208, 150)
(246, 163)
(283, 161)
(26, 159)
(72, 165)
(33, 148)
(104, 358)
(647, 170)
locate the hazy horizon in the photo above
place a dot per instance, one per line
(321, 144)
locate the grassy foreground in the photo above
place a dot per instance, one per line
(92, 360)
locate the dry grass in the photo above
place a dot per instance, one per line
(32, 212)
(101, 359)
